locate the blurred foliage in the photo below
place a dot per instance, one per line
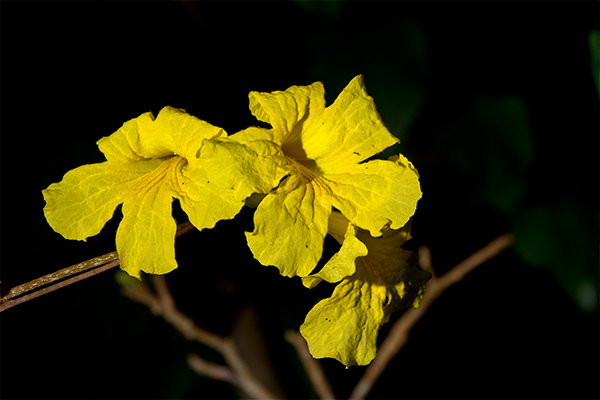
(559, 235)
(594, 41)
(491, 144)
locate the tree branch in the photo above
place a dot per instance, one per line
(58, 275)
(313, 369)
(16, 295)
(162, 304)
(214, 371)
(398, 334)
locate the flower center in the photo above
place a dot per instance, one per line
(167, 169)
(306, 168)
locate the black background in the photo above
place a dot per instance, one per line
(72, 73)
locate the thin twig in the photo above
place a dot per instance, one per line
(162, 304)
(184, 324)
(95, 265)
(398, 334)
(424, 257)
(313, 369)
(5, 305)
(58, 275)
(247, 381)
(214, 371)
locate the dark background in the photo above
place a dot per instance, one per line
(494, 104)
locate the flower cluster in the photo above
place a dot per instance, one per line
(314, 169)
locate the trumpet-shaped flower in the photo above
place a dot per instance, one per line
(325, 151)
(344, 326)
(150, 162)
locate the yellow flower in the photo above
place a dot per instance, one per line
(325, 151)
(150, 162)
(344, 326)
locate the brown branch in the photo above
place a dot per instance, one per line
(184, 324)
(313, 369)
(214, 371)
(162, 304)
(6, 304)
(398, 334)
(247, 381)
(95, 265)
(58, 275)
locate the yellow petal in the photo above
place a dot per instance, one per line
(230, 169)
(344, 134)
(341, 264)
(243, 164)
(146, 235)
(144, 174)
(172, 132)
(290, 225)
(283, 110)
(123, 145)
(347, 132)
(175, 131)
(345, 325)
(328, 147)
(86, 198)
(404, 163)
(376, 193)
(390, 265)
(204, 202)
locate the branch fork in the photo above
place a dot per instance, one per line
(237, 372)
